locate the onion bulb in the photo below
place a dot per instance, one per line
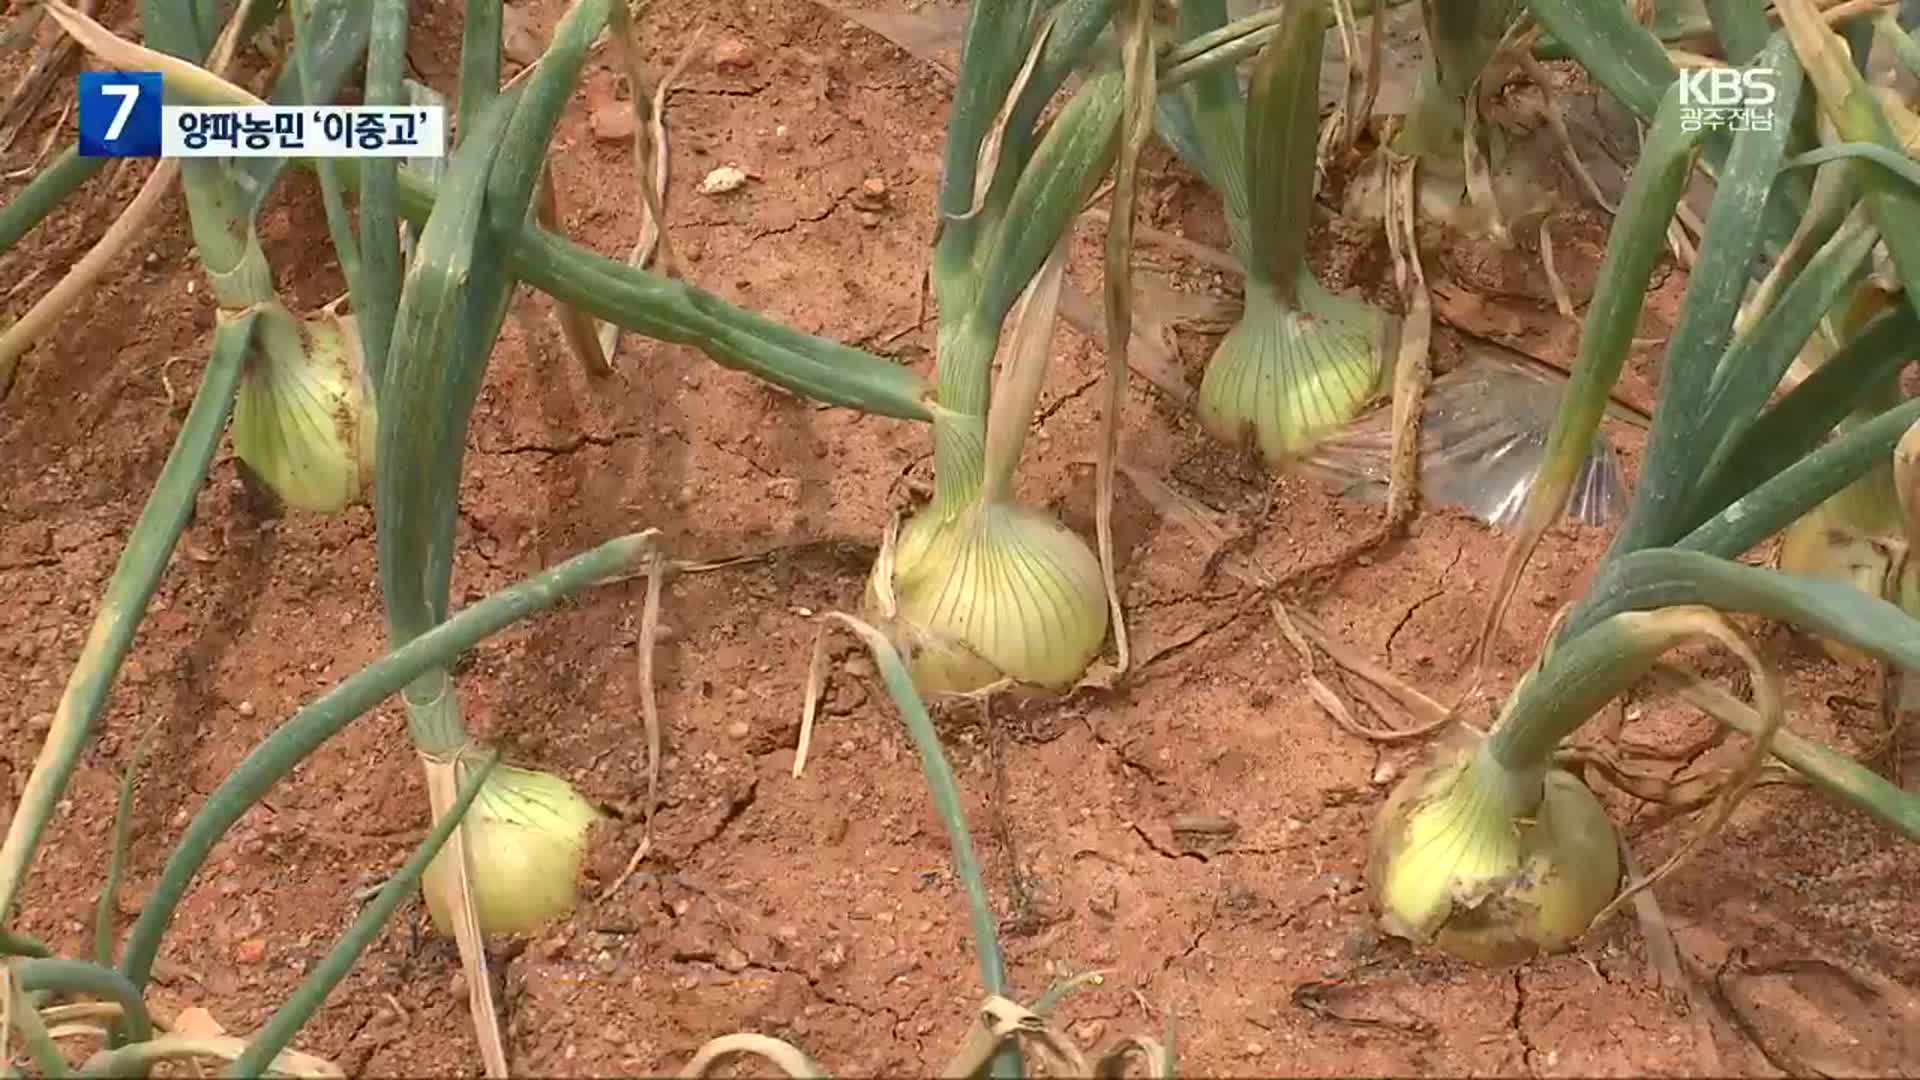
(527, 836)
(1489, 864)
(304, 419)
(994, 591)
(1518, 169)
(1288, 375)
(1523, 187)
(1857, 537)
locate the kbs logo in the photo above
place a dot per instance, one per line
(1739, 99)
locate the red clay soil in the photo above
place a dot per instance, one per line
(823, 909)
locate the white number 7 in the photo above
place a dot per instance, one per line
(128, 93)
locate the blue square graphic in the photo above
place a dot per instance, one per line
(120, 113)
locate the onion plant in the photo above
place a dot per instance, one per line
(1303, 360)
(1494, 852)
(977, 588)
(1475, 175)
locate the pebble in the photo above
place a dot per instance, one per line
(520, 43)
(738, 729)
(196, 1022)
(726, 178)
(250, 951)
(869, 200)
(731, 53)
(833, 957)
(613, 122)
(246, 710)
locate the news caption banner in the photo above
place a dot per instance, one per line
(125, 114)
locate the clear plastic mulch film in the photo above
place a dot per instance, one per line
(1483, 433)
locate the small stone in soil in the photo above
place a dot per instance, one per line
(731, 53)
(250, 951)
(726, 178)
(246, 710)
(738, 729)
(613, 122)
(196, 1022)
(872, 195)
(833, 957)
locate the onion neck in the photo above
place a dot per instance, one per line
(959, 461)
(1435, 125)
(965, 365)
(1300, 293)
(1529, 730)
(433, 716)
(1269, 301)
(1463, 36)
(1516, 788)
(960, 417)
(237, 269)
